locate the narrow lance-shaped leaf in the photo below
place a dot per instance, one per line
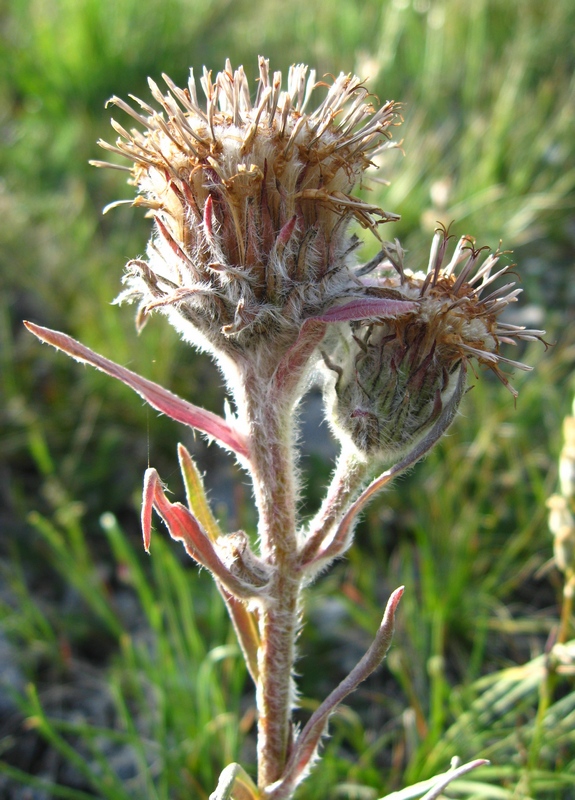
(158, 397)
(366, 307)
(243, 619)
(196, 494)
(246, 629)
(305, 747)
(313, 330)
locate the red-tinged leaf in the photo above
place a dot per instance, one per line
(158, 397)
(454, 773)
(290, 368)
(185, 528)
(367, 308)
(289, 371)
(285, 234)
(150, 478)
(243, 620)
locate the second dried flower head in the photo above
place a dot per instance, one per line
(393, 377)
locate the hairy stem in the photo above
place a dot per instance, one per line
(275, 488)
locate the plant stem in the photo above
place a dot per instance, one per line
(275, 488)
(279, 627)
(348, 476)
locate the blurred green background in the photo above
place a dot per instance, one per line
(488, 100)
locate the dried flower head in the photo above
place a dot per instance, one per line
(394, 376)
(251, 202)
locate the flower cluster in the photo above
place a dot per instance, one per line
(252, 204)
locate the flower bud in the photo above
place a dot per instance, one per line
(393, 377)
(391, 389)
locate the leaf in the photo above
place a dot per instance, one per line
(158, 397)
(367, 308)
(185, 528)
(196, 494)
(235, 784)
(305, 747)
(290, 368)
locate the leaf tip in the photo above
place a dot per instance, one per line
(150, 482)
